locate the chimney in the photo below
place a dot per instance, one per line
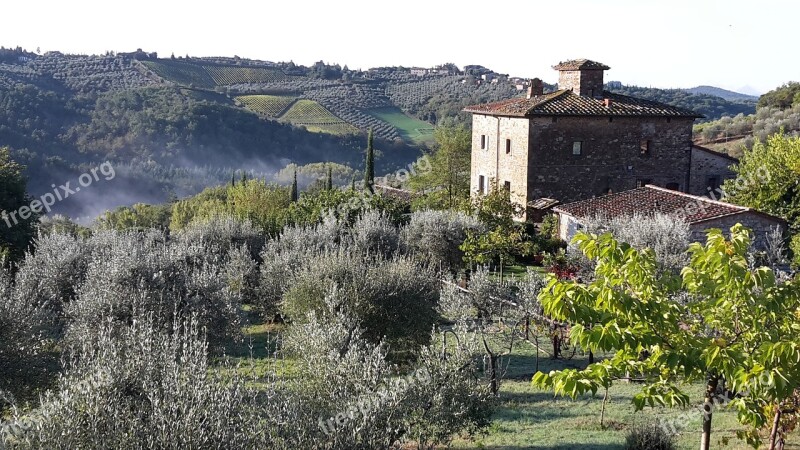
(607, 102)
(536, 87)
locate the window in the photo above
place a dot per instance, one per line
(641, 182)
(508, 146)
(644, 147)
(507, 186)
(483, 142)
(481, 183)
(591, 92)
(577, 147)
(712, 184)
(674, 186)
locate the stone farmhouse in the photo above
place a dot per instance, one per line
(699, 212)
(581, 142)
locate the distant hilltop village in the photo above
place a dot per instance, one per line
(581, 141)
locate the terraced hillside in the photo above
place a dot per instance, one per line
(315, 117)
(271, 106)
(183, 73)
(228, 75)
(206, 75)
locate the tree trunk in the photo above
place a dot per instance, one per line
(603, 410)
(493, 374)
(527, 327)
(773, 434)
(708, 408)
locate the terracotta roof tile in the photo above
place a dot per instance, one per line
(578, 64)
(567, 103)
(652, 200)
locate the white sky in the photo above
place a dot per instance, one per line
(679, 43)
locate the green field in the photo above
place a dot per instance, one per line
(271, 106)
(316, 118)
(410, 128)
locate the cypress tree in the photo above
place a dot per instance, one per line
(329, 180)
(369, 171)
(244, 177)
(294, 187)
(233, 179)
(353, 183)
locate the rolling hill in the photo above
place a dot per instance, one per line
(731, 96)
(176, 125)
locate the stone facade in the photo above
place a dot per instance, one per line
(611, 156)
(580, 141)
(542, 162)
(709, 170)
(500, 155)
(759, 224)
(582, 82)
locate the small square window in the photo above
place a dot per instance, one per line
(483, 142)
(507, 186)
(508, 146)
(577, 147)
(644, 147)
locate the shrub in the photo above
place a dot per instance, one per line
(221, 233)
(132, 275)
(285, 255)
(666, 235)
(435, 237)
(373, 234)
(140, 388)
(649, 437)
(393, 298)
(348, 377)
(21, 333)
(51, 275)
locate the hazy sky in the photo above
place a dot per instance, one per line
(679, 43)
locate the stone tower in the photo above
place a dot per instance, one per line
(581, 76)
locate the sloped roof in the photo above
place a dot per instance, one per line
(650, 200)
(567, 103)
(579, 64)
(714, 152)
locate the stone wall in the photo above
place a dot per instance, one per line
(568, 227)
(759, 224)
(611, 158)
(493, 162)
(705, 165)
(582, 82)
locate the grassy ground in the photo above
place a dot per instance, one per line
(410, 128)
(529, 418)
